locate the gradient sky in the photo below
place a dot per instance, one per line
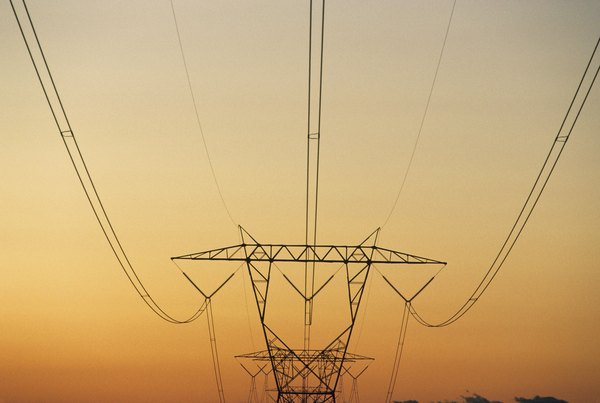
(73, 329)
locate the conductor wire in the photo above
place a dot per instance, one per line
(198, 122)
(398, 353)
(70, 142)
(532, 199)
(416, 143)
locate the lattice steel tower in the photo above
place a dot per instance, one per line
(305, 373)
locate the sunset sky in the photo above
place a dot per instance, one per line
(72, 329)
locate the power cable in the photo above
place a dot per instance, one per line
(318, 159)
(248, 310)
(211, 325)
(416, 143)
(214, 351)
(364, 315)
(70, 142)
(316, 136)
(199, 124)
(398, 353)
(532, 199)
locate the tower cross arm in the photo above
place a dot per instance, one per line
(347, 254)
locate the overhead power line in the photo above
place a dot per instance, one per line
(189, 82)
(67, 134)
(398, 354)
(414, 149)
(313, 149)
(215, 352)
(564, 132)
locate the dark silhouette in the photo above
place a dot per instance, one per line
(478, 399)
(539, 399)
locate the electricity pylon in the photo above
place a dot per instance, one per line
(308, 374)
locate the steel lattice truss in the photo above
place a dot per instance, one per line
(305, 374)
(358, 254)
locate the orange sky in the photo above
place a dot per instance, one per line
(73, 329)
